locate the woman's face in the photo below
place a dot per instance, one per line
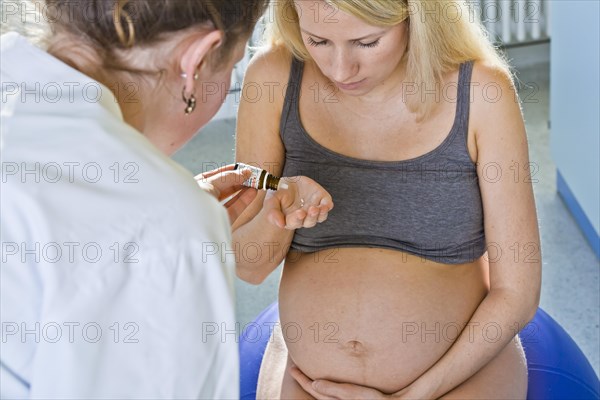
(354, 55)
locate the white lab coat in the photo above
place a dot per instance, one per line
(117, 270)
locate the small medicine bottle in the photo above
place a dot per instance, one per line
(260, 178)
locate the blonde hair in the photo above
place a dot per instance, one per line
(442, 35)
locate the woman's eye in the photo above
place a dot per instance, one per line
(372, 44)
(313, 42)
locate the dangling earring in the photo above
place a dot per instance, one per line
(190, 102)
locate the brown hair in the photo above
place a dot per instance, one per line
(112, 25)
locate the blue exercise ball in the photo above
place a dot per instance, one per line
(253, 342)
(558, 369)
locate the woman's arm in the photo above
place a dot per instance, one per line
(513, 242)
(263, 232)
(511, 231)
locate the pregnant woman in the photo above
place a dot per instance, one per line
(429, 264)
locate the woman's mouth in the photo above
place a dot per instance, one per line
(350, 86)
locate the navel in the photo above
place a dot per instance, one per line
(354, 348)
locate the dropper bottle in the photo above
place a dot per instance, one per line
(260, 178)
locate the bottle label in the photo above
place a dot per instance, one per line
(255, 180)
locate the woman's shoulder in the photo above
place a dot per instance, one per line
(492, 87)
(265, 80)
(482, 73)
(483, 77)
(485, 72)
(270, 64)
(494, 98)
(492, 91)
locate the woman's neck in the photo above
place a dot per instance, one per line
(127, 88)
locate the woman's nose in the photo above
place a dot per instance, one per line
(343, 68)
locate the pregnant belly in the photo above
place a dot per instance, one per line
(374, 317)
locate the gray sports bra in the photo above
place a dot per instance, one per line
(429, 206)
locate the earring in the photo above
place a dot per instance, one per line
(196, 76)
(190, 102)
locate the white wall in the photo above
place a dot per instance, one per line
(574, 104)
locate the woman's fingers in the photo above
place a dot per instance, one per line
(326, 390)
(238, 203)
(302, 205)
(307, 384)
(314, 199)
(277, 205)
(318, 213)
(312, 216)
(295, 219)
(229, 182)
(289, 221)
(325, 205)
(209, 188)
(322, 217)
(208, 174)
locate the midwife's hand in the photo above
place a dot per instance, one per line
(225, 181)
(303, 204)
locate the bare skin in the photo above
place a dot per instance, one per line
(374, 320)
(343, 308)
(381, 326)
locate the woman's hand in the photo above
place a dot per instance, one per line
(224, 182)
(327, 390)
(300, 202)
